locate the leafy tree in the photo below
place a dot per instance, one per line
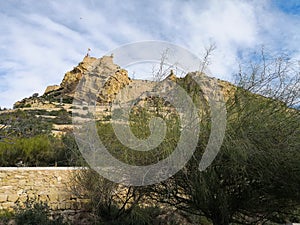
(256, 175)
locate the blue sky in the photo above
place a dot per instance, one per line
(41, 40)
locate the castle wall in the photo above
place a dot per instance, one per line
(47, 184)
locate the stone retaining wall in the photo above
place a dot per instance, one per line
(47, 184)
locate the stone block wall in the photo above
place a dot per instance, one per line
(47, 184)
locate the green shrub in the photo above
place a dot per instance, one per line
(23, 124)
(67, 100)
(40, 150)
(5, 216)
(33, 151)
(68, 154)
(62, 117)
(36, 213)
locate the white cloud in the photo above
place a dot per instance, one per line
(41, 40)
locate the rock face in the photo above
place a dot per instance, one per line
(101, 73)
(103, 81)
(172, 76)
(72, 77)
(113, 85)
(51, 88)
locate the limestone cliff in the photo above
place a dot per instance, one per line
(51, 88)
(113, 85)
(72, 77)
(111, 82)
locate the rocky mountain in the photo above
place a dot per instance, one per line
(56, 112)
(58, 95)
(112, 81)
(107, 80)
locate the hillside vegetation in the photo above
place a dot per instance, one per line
(255, 178)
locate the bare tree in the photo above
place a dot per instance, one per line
(163, 69)
(206, 57)
(276, 77)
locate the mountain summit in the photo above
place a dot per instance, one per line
(112, 81)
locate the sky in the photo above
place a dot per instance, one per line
(41, 40)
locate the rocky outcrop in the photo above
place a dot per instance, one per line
(34, 102)
(104, 80)
(72, 77)
(172, 76)
(113, 85)
(51, 88)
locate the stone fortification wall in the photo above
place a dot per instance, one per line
(47, 184)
